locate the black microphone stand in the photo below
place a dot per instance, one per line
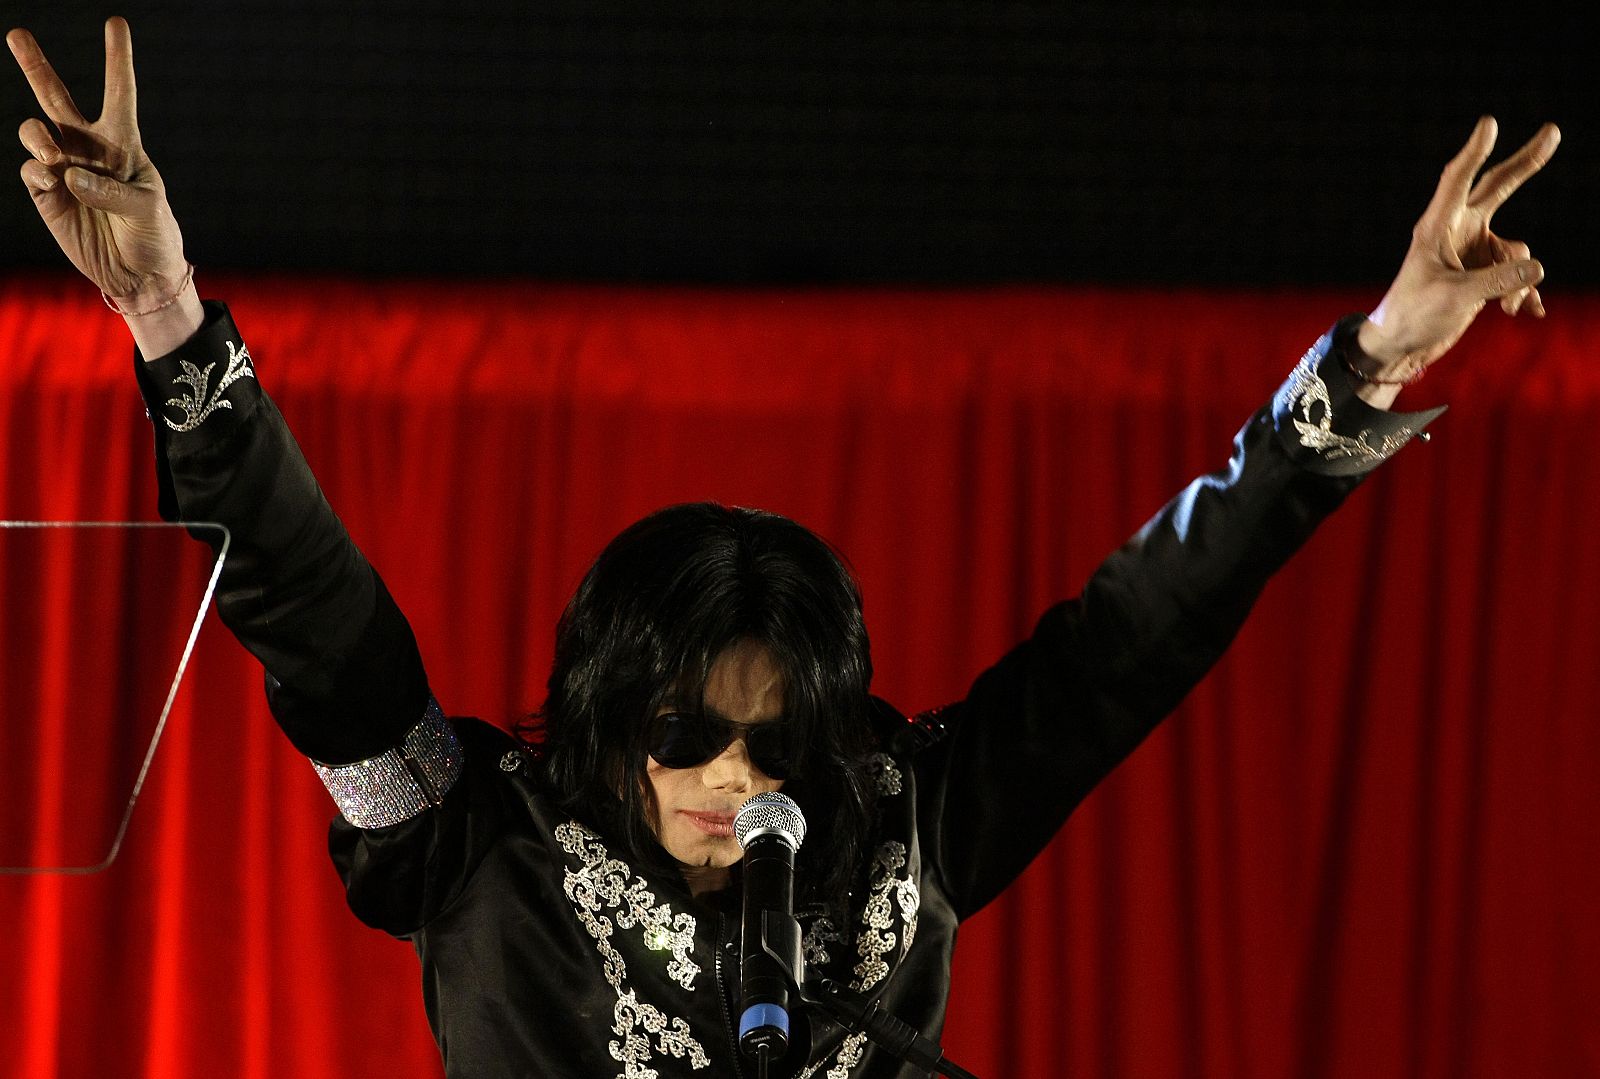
(854, 1011)
(860, 1014)
(780, 942)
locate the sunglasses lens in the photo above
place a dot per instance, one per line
(680, 740)
(769, 749)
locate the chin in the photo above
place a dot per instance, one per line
(703, 856)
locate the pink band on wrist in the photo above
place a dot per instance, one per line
(187, 277)
(1410, 380)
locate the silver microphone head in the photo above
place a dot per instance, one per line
(770, 814)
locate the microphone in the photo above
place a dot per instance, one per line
(770, 828)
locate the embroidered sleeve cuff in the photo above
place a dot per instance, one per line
(397, 785)
(206, 387)
(1325, 426)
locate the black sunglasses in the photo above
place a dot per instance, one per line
(687, 739)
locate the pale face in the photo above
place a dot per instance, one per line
(695, 806)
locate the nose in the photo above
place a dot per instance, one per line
(732, 769)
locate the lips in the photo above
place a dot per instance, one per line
(715, 824)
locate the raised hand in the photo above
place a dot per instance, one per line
(1456, 264)
(93, 184)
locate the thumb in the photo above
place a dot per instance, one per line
(104, 193)
(1504, 278)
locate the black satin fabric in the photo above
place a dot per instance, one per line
(545, 948)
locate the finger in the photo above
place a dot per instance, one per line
(1535, 304)
(37, 141)
(1511, 251)
(47, 86)
(38, 178)
(1504, 278)
(1456, 180)
(1496, 185)
(122, 99)
(104, 193)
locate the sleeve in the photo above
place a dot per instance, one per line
(1100, 671)
(399, 877)
(344, 676)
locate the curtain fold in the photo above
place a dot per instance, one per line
(1366, 845)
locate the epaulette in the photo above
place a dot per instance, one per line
(905, 736)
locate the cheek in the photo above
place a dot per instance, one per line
(665, 787)
(654, 794)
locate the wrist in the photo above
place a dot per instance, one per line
(1383, 356)
(161, 331)
(1380, 368)
(158, 291)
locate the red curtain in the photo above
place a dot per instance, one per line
(1366, 845)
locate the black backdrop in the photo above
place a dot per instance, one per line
(816, 142)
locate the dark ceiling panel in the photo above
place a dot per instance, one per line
(811, 142)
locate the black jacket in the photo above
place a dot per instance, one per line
(546, 949)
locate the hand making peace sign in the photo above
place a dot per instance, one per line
(94, 185)
(1456, 264)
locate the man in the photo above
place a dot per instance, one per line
(571, 895)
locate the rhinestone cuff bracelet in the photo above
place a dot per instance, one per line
(399, 784)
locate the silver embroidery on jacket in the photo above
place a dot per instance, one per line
(887, 891)
(606, 895)
(850, 1054)
(1305, 390)
(885, 774)
(196, 405)
(814, 944)
(877, 937)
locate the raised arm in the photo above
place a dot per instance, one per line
(347, 682)
(1039, 729)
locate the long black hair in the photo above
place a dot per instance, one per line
(659, 605)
